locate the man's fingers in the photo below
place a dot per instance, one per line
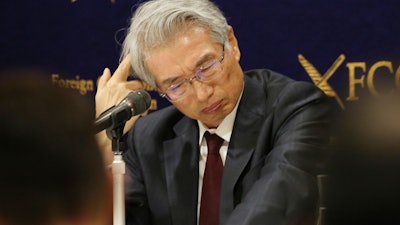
(104, 78)
(122, 72)
(134, 85)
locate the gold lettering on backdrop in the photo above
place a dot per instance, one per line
(371, 75)
(82, 85)
(353, 81)
(153, 104)
(322, 81)
(360, 76)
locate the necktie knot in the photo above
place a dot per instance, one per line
(214, 143)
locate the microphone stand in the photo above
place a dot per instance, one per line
(115, 118)
(118, 170)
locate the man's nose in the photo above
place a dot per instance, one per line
(202, 90)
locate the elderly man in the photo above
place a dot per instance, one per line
(273, 130)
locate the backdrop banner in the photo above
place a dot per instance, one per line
(348, 48)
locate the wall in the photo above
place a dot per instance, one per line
(346, 47)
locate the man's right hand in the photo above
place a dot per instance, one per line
(111, 90)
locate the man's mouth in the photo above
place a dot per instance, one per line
(212, 108)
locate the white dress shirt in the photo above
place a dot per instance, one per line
(224, 130)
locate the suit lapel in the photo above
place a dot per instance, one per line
(182, 157)
(249, 119)
(181, 165)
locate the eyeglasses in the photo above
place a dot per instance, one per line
(207, 73)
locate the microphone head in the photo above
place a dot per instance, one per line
(141, 100)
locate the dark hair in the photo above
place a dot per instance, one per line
(50, 164)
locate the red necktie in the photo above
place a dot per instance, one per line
(210, 194)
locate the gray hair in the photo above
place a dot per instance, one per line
(157, 21)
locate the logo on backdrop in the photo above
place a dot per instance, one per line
(322, 80)
(361, 78)
(367, 80)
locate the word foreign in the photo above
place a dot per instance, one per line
(82, 85)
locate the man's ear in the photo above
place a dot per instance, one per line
(233, 43)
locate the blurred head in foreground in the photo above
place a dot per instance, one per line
(364, 172)
(51, 171)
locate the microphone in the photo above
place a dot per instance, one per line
(136, 102)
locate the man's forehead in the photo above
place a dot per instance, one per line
(191, 55)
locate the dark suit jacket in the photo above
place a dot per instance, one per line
(276, 149)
